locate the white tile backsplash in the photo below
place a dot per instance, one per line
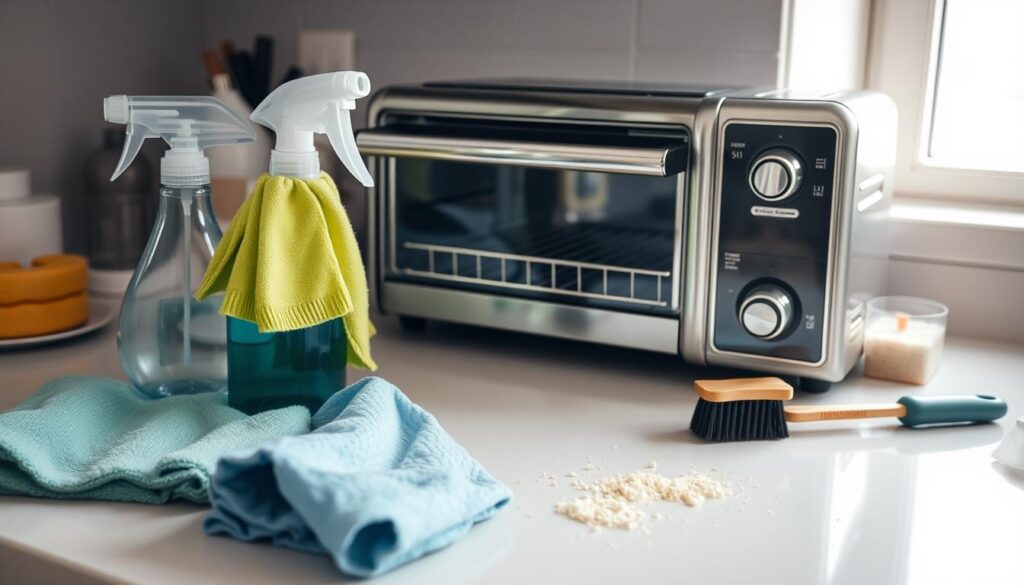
(729, 26)
(701, 66)
(569, 63)
(462, 23)
(728, 41)
(389, 63)
(594, 24)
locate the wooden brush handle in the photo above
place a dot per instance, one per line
(813, 412)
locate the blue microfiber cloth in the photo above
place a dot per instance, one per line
(378, 483)
(100, 439)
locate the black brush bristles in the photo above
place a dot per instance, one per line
(740, 420)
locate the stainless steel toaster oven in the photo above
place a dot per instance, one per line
(733, 227)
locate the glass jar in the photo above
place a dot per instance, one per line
(120, 212)
(903, 338)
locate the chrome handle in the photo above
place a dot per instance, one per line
(656, 161)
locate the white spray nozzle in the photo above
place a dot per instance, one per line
(189, 124)
(310, 105)
(115, 109)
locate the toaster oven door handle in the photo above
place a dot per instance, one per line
(659, 161)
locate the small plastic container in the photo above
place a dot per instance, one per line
(904, 338)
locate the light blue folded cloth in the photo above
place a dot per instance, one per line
(378, 483)
(100, 439)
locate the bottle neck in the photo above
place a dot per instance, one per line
(183, 192)
(184, 168)
(194, 205)
(297, 164)
(174, 199)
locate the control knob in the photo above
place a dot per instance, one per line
(776, 174)
(767, 311)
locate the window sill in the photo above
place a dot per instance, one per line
(968, 256)
(984, 236)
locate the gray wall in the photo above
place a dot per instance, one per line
(58, 59)
(57, 62)
(717, 41)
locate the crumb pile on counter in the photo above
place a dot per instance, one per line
(615, 501)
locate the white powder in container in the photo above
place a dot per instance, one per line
(903, 349)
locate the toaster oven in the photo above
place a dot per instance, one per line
(732, 227)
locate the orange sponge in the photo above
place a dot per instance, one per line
(49, 277)
(45, 298)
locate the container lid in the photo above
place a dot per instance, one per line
(15, 183)
(37, 200)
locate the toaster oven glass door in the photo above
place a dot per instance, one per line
(567, 236)
(564, 213)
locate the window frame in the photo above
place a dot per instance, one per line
(903, 62)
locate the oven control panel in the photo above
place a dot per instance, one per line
(774, 230)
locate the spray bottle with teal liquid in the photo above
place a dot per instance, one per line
(289, 266)
(168, 342)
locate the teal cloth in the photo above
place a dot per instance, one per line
(377, 484)
(100, 439)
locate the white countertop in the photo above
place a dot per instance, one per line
(842, 502)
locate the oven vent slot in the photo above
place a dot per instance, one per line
(870, 191)
(541, 274)
(855, 329)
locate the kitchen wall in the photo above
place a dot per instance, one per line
(58, 59)
(716, 41)
(729, 42)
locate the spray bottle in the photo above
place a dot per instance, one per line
(303, 366)
(168, 342)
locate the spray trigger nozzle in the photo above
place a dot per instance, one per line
(338, 126)
(189, 125)
(318, 104)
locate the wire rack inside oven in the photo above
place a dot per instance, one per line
(617, 264)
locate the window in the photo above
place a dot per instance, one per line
(976, 115)
(953, 67)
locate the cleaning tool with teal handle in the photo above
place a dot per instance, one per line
(967, 408)
(746, 409)
(912, 411)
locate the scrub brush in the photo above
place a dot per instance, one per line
(751, 409)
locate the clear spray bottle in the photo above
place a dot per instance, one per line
(303, 366)
(168, 342)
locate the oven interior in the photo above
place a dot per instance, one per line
(558, 233)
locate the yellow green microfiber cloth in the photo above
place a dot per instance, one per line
(290, 260)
